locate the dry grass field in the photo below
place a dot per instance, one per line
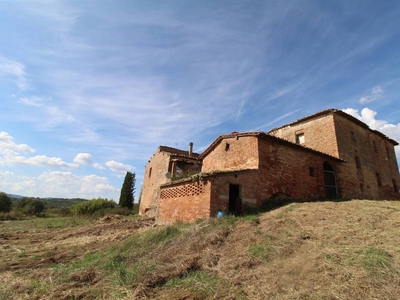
(314, 250)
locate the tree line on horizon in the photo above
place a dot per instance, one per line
(37, 206)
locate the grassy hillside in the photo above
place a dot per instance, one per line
(320, 250)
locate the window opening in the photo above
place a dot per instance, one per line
(362, 188)
(300, 139)
(378, 179)
(358, 163)
(387, 152)
(150, 172)
(396, 188)
(353, 136)
(312, 171)
(375, 146)
(227, 147)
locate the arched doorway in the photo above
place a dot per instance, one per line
(331, 189)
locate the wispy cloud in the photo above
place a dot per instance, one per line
(13, 70)
(270, 123)
(376, 93)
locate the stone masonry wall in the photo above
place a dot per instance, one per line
(235, 153)
(375, 155)
(184, 201)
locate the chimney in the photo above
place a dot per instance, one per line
(190, 148)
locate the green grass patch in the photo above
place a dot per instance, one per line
(375, 260)
(34, 223)
(202, 283)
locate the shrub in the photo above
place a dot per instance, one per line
(30, 206)
(91, 206)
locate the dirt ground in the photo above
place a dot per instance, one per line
(53, 246)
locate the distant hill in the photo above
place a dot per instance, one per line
(15, 196)
(52, 202)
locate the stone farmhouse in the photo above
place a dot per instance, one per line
(329, 154)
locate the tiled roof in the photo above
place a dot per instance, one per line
(261, 134)
(178, 152)
(341, 113)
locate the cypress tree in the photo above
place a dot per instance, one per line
(127, 198)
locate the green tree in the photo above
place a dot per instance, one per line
(35, 207)
(30, 206)
(127, 197)
(5, 202)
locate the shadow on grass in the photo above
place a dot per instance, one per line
(272, 204)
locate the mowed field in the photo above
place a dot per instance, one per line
(311, 250)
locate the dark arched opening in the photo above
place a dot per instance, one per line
(331, 189)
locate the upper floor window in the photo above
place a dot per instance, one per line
(312, 171)
(388, 152)
(150, 172)
(227, 147)
(300, 139)
(353, 136)
(375, 146)
(358, 163)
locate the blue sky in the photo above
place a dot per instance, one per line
(90, 89)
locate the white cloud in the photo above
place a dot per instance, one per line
(368, 117)
(12, 155)
(41, 160)
(118, 167)
(59, 184)
(83, 159)
(375, 94)
(98, 166)
(15, 70)
(86, 159)
(32, 101)
(7, 144)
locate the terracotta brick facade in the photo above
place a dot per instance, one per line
(326, 155)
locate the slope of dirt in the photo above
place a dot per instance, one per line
(33, 249)
(319, 250)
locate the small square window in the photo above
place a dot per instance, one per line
(300, 139)
(312, 171)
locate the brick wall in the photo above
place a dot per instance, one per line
(319, 134)
(235, 153)
(286, 170)
(359, 179)
(248, 192)
(184, 201)
(154, 176)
